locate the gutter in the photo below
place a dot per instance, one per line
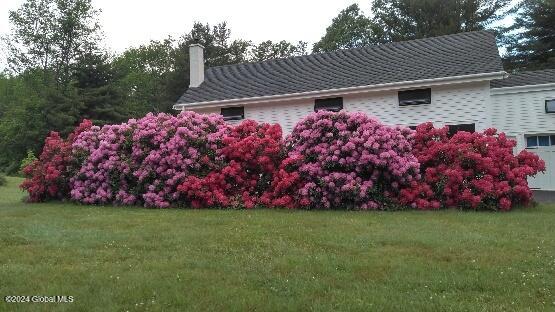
(343, 91)
(525, 88)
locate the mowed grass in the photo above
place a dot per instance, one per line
(135, 259)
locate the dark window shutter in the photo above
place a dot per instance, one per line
(233, 113)
(415, 97)
(462, 127)
(329, 104)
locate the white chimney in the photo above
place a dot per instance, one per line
(196, 61)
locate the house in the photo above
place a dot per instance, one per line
(456, 80)
(523, 106)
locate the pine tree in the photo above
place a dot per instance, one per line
(531, 40)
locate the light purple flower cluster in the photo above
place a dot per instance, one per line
(103, 175)
(143, 161)
(351, 160)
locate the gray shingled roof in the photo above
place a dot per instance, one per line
(437, 57)
(525, 79)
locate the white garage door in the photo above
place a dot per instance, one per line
(543, 146)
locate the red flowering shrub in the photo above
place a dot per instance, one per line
(469, 170)
(250, 155)
(287, 181)
(344, 160)
(48, 177)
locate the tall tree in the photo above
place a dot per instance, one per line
(271, 50)
(31, 42)
(97, 91)
(47, 41)
(350, 29)
(399, 20)
(531, 39)
(51, 35)
(22, 117)
(77, 33)
(145, 77)
(219, 49)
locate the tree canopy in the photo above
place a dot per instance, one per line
(350, 29)
(531, 39)
(399, 20)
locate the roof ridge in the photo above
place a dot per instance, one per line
(370, 47)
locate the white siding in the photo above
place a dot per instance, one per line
(451, 104)
(523, 112)
(286, 114)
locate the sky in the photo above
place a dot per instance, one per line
(131, 23)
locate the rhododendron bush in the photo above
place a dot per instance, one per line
(469, 170)
(344, 160)
(48, 177)
(143, 161)
(251, 154)
(330, 160)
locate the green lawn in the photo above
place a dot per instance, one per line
(118, 259)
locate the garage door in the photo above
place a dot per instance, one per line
(544, 147)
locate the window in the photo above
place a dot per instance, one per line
(462, 127)
(543, 140)
(532, 141)
(550, 106)
(540, 140)
(233, 113)
(415, 97)
(330, 104)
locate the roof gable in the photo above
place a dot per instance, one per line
(431, 58)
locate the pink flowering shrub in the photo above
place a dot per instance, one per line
(48, 177)
(250, 155)
(344, 160)
(168, 149)
(104, 173)
(469, 170)
(143, 161)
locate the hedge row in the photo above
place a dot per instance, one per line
(329, 161)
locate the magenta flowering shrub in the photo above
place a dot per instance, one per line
(344, 160)
(143, 161)
(470, 171)
(167, 149)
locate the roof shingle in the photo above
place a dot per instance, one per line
(437, 57)
(525, 79)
